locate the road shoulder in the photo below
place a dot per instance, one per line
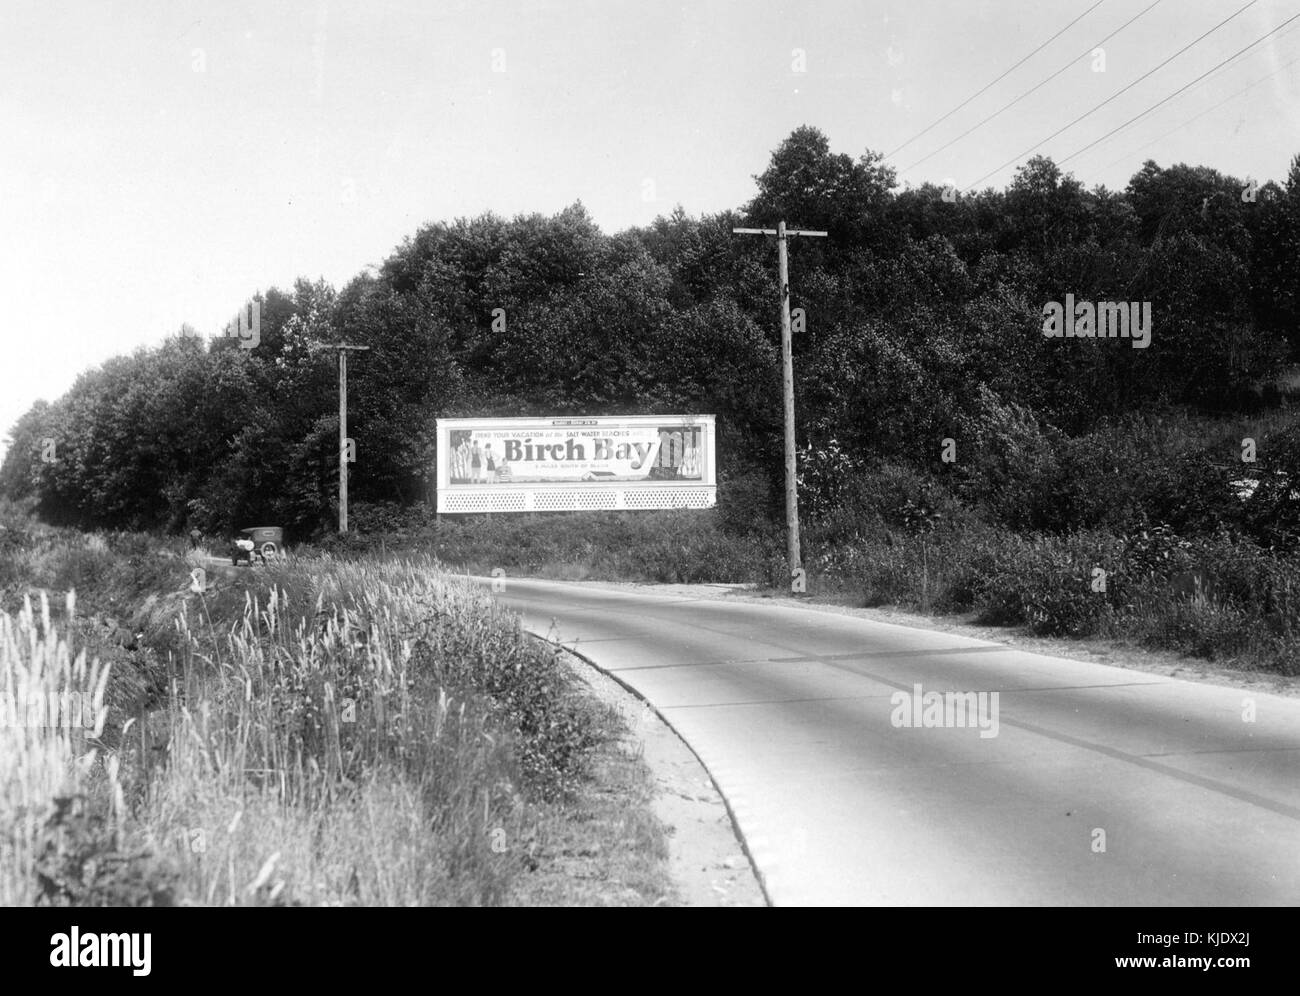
(707, 861)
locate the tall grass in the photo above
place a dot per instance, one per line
(326, 733)
(1088, 583)
(51, 714)
(367, 733)
(678, 546)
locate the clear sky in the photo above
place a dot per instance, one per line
(161, 161)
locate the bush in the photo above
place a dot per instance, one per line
(1201, 626)
(373, 517)
(1050, 583)
(1272, 514)
(347, 545)
(1005, 461)
(79, 863)
(965, 563)
(668, 546)
(891, 495)
(824, 475)
(747, 503)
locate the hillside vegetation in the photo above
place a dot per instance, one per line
(922, 320)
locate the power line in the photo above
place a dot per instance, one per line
(1037, 86)
(1117, 93)
(1185, 86)
(890, 155)
(1197, 117)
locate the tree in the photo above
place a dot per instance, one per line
(805, 184)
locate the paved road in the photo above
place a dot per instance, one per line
(1102, 786)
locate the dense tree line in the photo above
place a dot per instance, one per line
(924, 314)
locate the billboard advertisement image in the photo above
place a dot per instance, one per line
(554, 464)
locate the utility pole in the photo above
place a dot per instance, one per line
(342, 349)
(787, 379)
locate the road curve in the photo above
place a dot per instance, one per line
(1101, 786)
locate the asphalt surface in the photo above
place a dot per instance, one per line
(1096, 785)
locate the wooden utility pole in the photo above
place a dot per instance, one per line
(342, 348)
(787, 380)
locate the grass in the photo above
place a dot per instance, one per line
(1084, 584)
(319, 732)
(46, 748)
(667, 546)
(603, 846)
(955, 562)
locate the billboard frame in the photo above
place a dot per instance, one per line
(577, 495)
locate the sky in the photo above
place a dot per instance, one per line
(160, 162)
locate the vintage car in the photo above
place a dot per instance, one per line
(261, 542)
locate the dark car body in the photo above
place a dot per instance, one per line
(267, 541)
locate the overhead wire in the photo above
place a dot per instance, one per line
(1185, 86)
(1183, 124)
(1222, 69)
(985, 88)
(1037, 86)
(1117, 93)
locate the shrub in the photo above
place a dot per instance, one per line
(1050, 584)
(79, 862)
(747, 503)
(667, 546)
(389, 517)
(1006, 460)
(824, 478)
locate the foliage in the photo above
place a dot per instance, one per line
(921, 322)
(307, 706)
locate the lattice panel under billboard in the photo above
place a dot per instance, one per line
(575, 499)
(555, 501)
(492, 501)
(668, 498)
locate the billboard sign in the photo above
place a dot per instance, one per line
(557, 464)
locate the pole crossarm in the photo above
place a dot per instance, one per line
(773, 231)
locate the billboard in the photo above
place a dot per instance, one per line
(566, 464)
